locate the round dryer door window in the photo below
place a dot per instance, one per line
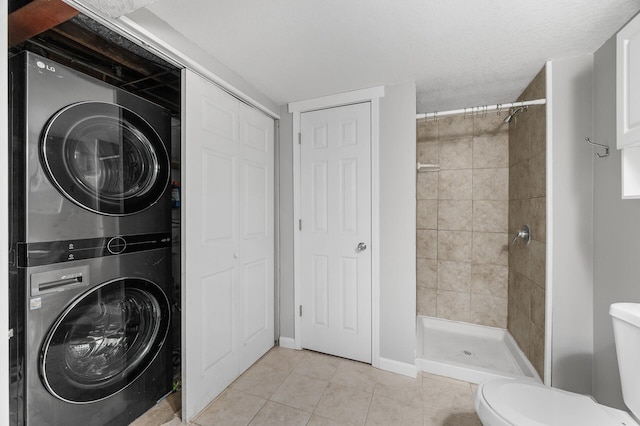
(105, 340)
(105, 158)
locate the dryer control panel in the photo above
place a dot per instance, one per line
(50, 252)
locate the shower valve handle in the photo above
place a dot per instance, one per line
(524, 234)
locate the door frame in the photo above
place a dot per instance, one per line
(373, 96)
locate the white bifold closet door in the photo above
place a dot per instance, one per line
(228, 241)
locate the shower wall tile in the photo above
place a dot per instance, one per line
(454, 276)
(536, 349)
(427, 244)
(427, 130)
(538, 124)
(520, 295)
(455, 127)
(515, 214)
(428, 152)
(537, 306)
(520, 258)
(455, 184)
(519, 181)
(520, 328)
(490, 248)
(490, 280)
(518, 143)
(454, 215)
(538, 171)
(454, 245)
(490, 216)
(427, 272)
(537, 216)
(490, 125)
(527, 205)
(537, 88)
(453, 305)
(537, 260)
(426, 301)
(472, 193)
(427, 215)
(511, 292)
(427, 186)
(456, 153)
(491, 184)
(491, 151)
(488, 310)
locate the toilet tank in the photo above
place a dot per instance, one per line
(626, 331)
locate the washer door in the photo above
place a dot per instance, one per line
(105, 158)
(104, 340)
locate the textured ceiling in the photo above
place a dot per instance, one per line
(460, 52)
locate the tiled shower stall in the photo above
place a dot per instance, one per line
(489, 181)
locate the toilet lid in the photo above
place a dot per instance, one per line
(527, 403)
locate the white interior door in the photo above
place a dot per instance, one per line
(335, 188)
(227, 246)
(256, 239)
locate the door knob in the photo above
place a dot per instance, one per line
(362, 247)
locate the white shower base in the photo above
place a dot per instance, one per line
(469, 352)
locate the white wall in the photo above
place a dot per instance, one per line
(398, 223)
(286, 224)
(616, 257)
(569, 221)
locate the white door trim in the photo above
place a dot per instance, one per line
(372, 95)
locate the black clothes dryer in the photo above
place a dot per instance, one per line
(88, 159)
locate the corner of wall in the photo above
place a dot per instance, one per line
(571, 225)
(397, 200)
(284, 205)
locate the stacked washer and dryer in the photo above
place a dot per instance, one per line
(90, 280)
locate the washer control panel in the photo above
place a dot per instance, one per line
(50, 252)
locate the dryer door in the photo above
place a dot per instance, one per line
(105, 158)
(104, 340)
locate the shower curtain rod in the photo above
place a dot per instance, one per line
(481, 109)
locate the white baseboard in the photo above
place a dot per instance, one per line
(398, 367)
(287, 342)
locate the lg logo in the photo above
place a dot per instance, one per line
(44, 66)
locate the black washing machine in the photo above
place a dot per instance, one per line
(97, 332)
(90, 223)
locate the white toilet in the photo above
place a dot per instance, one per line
(507, 402)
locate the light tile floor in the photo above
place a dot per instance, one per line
(287, 387)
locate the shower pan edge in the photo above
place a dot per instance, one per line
(469, 352)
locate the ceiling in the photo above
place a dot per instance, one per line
(460, 53)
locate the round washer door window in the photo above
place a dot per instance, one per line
(105, 158)
(104, 340)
